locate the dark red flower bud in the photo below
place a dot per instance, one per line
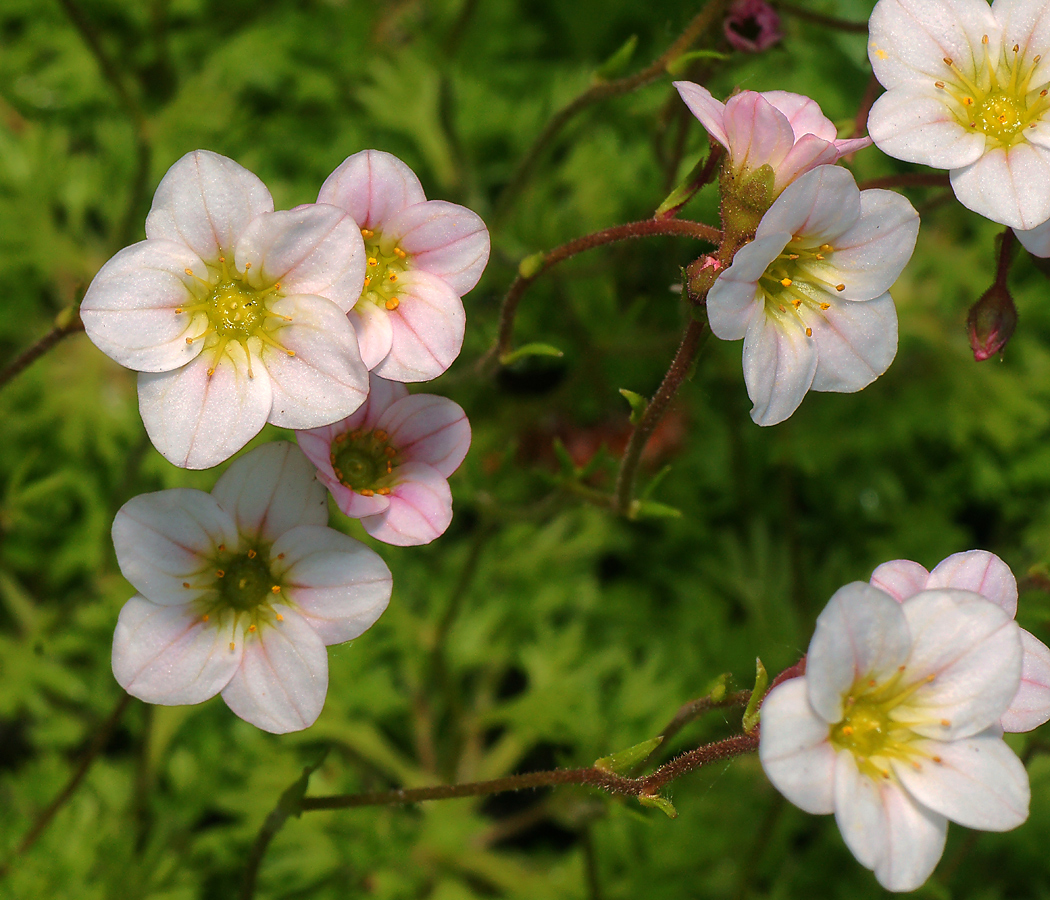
(991, 322)
(752, 26)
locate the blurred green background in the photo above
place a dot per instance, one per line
(539, 631)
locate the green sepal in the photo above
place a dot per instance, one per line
(650, 509)
(616, 63)
(684, 192)
(530, 266)
(661, 803)
(529, 350)
(719, 687)
(638, 405)
(621, 762)
(679, 64)
(752, 714)
(568, 466)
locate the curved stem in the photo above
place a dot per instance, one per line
(707, 16)
(33, 353)
(654, 412)
(644, 228)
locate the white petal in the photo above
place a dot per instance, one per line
(420, 508)
(979, 781)
(794, 749)
(373, 186)
(862, 633)
(283, 678)
(168, 655)
(427, 327)
(1035, 240)
(856, 342)
(374, 332)
(445, 239)
(917, 126)
(779, 364)
(325, 380)
(999, 185)
(860, 812)
(1030, 707)
(313, 249)
(803, 114)
(205, 201)
(129, 308)
(1025, 22)
(981, 572)
(338, 585)
(972, 650)
(429, 429)
(900, 578)
(915, 841)
(820, 207)
(734, 298)
(706, 108)
(165, 539)
(758, 133)
(196, 420)
(272, 490)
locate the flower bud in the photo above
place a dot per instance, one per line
(991, 321)
(752, 26)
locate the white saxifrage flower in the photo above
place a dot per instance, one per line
(966, 90)
(423, 256)
(894, 726)
(785, 131)
(810, 295)
(986, 574)
(240, 590)
(388, 464)
(235, 315)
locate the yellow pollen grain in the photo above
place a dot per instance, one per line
(185, 584)
(251, 554)
(847, 730)
(220, 574)
(383, 491)
(381, 435)
(1017, 47)
(366, 492)
(372, 261)
(917, 766)
(825, 306)
(232, 646)
(939, 84)
(389, 467)
(947, 60)
(390, 451)
(809, 332)
(280, 618)
(393, 276)
(946, 723)
(968, 101)
(786, 282)
(251, 628)
(205, 617)
(280, 556)
(796, 303)
(872, 683)
(984, 40)
(368, 280)
(276, 589)
(393, 303)
(792, 256)
(840, 288)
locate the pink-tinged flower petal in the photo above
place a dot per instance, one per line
(325, 380)
(1030, 707)
(908, 39)
(803, 114)
(972, 650)
(862, 633)
(168, 655)
(779, 364)
(794, 749)
(808, 152)
(871, 254)
(375, 335)
(734, 299)
(981, 572)
(420, 508)
(428, 429)
(822, 206)
(350, 502)
(382, 394)
(1027, 23)
(313, 249)
(373, 186)
(205, 201)
(915, 125)
(129, 308)
(1035, 240)
(856, 342)
(163, 540)
(270, 491)
(196, 420)
(445, 239)
(900, 578)
(283, 678)
(427, 327)
(706, 108)
(338, 585)
(978, 782)
(998, 186)
(758, 133)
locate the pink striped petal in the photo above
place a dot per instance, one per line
(445, 239)
(981, 572)
(900, 578)
(373, 186)
(428, 429)
(375, 335)
(420, 508)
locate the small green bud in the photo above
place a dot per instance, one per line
(623, 761)
(751, 714)
(661, 803)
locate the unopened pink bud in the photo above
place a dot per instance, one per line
(752, 26)
(991, 322)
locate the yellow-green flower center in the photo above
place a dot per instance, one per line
(793, 283)
(386, 264)
(364, 461)
(239, 583)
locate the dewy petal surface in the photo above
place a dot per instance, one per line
(998, 185)
(779, 364)
(429, 429)
(420, 508)
(794, 749)
(164, 539)
(373, 186)
(205, 201)
(338, 585)
(856, 343)
(981, 572)
(900, 578)
(195, 420)
(444, 239)
(272, 490)
(167, 655)
(283, 677)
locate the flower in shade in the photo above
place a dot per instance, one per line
(966, 90)
(240, 590)
(235, 315)
(810, 294)
(423, 255)
(894, 726)
(752, 26)
(388, 463)
(986, 574)
(785, 131)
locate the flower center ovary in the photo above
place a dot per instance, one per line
(386, 263)
(364, 461)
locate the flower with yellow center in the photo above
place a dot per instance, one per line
(894, 726)
(968, 89)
